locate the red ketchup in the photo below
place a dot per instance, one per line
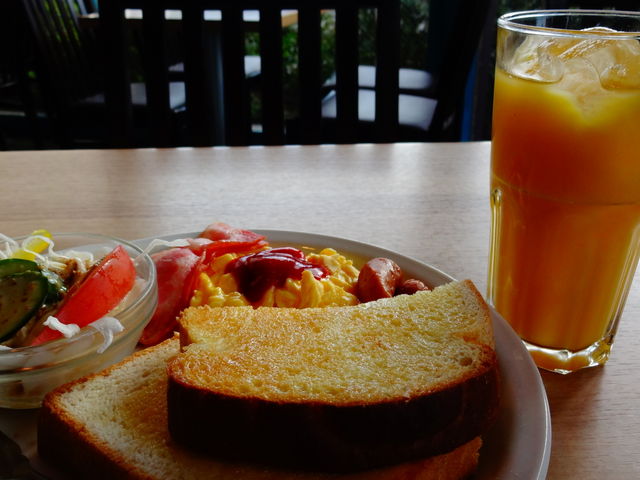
(258, 272)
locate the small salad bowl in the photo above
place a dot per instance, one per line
(27, 373)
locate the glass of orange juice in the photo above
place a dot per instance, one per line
(565, 180)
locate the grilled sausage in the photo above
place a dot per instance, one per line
(378, 279)
(410, 287)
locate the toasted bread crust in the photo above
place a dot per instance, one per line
(75, 448)
(319, 437)
(343, 432)
(72, 448)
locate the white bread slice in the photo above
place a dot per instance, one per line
(112, 425)
(336, 389)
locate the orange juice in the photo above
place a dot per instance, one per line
(565, 197)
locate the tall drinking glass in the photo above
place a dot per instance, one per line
(565, 180)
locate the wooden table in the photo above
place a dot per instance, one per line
(429, 201)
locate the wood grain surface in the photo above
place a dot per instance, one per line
(428, 201)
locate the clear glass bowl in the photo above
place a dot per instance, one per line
(28, 373)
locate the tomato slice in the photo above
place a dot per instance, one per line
(101, 290)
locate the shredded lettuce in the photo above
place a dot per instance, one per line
(49, 258)
(68, 330)
(7, 246)
(108, 327)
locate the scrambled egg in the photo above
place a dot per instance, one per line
(218, 289)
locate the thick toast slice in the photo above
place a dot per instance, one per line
(336, 389)
(112, 425)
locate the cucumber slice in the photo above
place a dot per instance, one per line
(9, 266)
(21, 296)
(56, 286)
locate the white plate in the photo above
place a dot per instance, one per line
(518, 445)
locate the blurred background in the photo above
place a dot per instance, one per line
(31, 99)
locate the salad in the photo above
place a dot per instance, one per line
(46, 294)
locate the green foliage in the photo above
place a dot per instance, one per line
(414, 16)
(327, 44)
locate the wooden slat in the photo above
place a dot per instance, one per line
(156, 68)
(117, 79)
(272, 76)
(388, 55)
(347, 72)
(235, 96)
(459, 50)
(200, 105)
(310, 74)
